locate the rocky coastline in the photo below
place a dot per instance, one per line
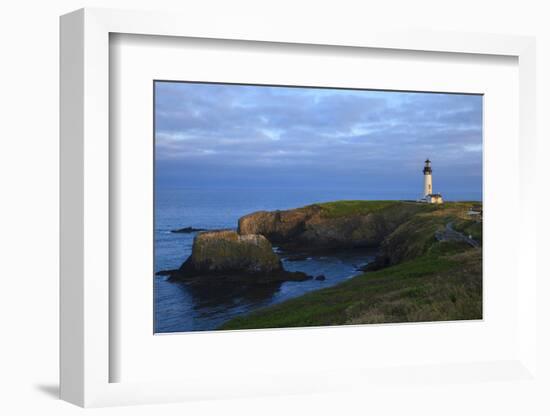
(428, 265)
(399, 230)
(224, 257)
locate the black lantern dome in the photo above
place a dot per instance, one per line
(427, 168)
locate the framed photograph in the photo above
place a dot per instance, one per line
(271, 212)
(280, 207)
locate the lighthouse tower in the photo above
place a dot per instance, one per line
(427, 178)
(429, 195)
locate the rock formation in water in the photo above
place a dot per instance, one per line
(224, 256)
(187, 230)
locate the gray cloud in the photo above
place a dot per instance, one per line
(228, 135)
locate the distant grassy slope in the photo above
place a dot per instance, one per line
(339, 209)
(424, 280)
(344, 208)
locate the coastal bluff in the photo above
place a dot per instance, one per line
(428, 265)
(333, 225)
(399, 230)
(224, 256)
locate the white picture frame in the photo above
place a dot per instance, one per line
(86, 356)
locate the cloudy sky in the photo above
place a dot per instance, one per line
(234, 136)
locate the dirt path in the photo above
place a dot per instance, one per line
(450, 234)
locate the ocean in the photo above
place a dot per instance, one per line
(177, 309)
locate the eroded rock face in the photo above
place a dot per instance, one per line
(307, 228)
(224, 256)
(225, 250)
(278, 226)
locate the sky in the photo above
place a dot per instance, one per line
(241, 136)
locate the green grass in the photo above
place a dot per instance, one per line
(413, 238)
(344, 208)
(447, 248)
(431, 287)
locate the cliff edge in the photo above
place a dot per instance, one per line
(224, 257)
(341, 224)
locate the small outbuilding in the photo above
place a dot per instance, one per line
(434, 198)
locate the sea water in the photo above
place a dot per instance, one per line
(177, 309)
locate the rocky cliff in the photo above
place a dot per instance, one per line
(423, 272)
(400, 230)
(344, 224)
(224, 256)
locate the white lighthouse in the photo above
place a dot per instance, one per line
(429, 195)
(427, 177)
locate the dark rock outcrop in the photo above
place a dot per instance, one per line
(225, 250)
(278, 226)
(311, 228)
(187, 230)
(224, 257)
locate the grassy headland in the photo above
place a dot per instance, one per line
(423, 274)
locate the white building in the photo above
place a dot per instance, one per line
(429, 195)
